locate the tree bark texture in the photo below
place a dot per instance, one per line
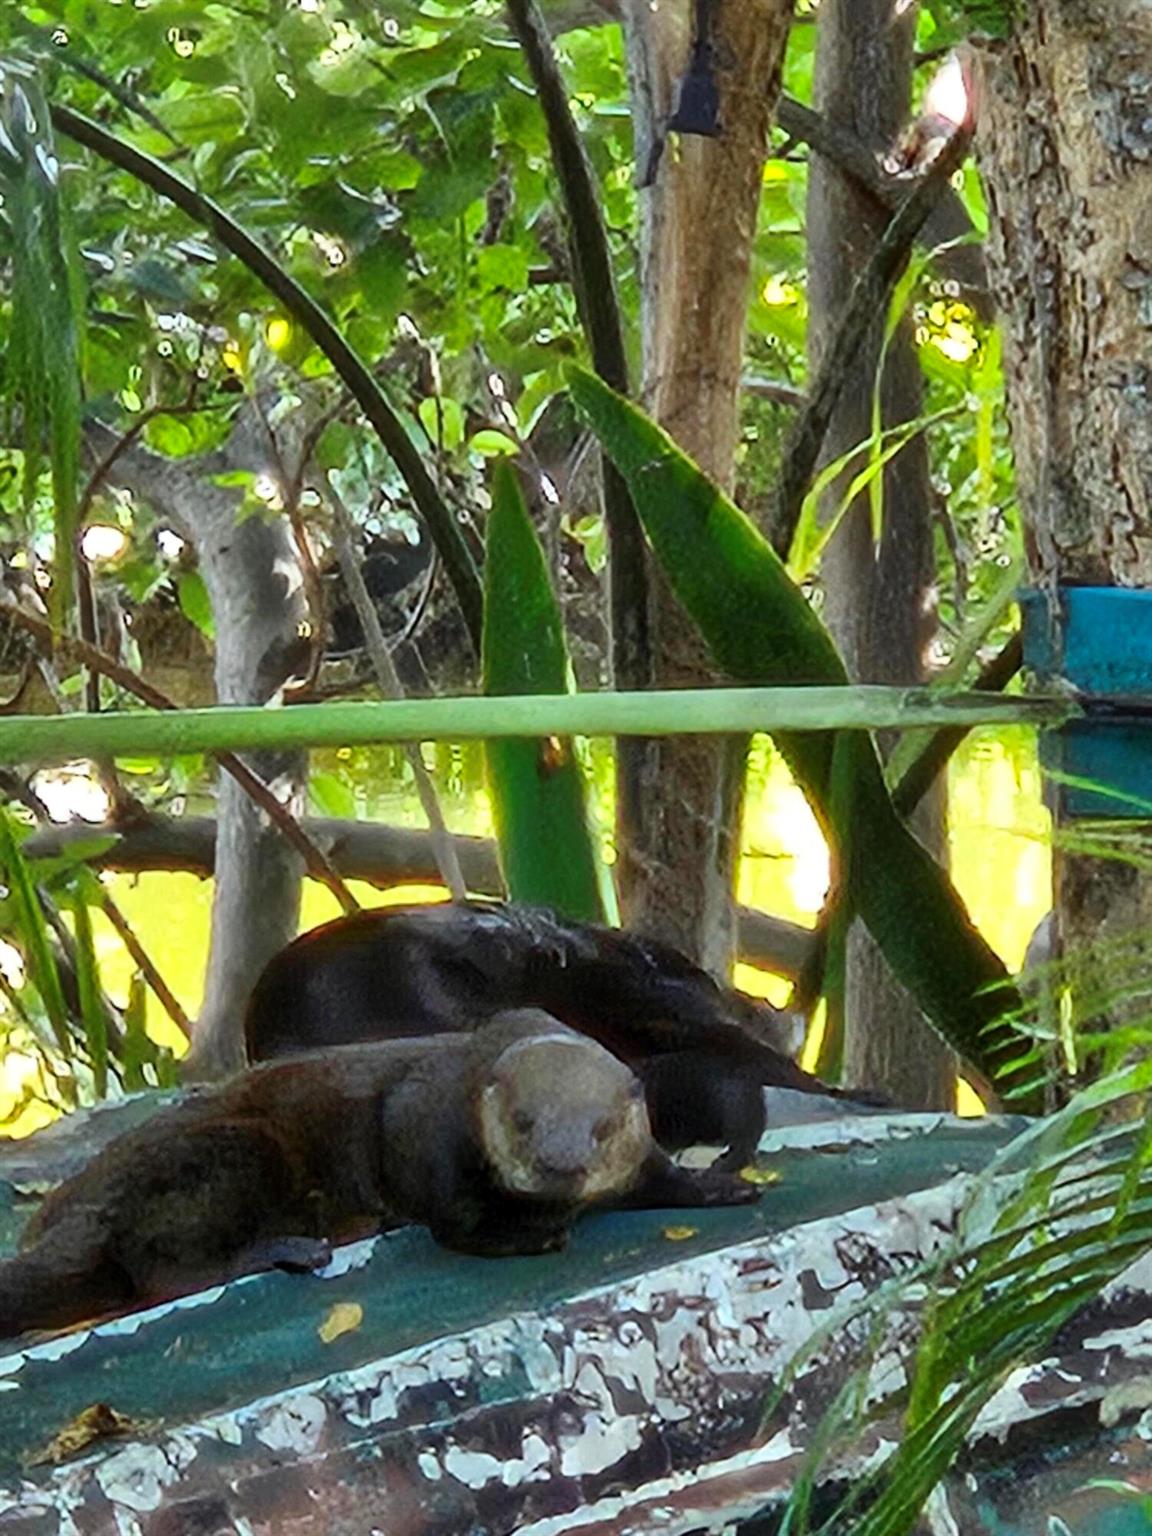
(877, 595)
(678, 831)
(251, 570)
(1065, 142)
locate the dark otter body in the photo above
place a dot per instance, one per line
(376, 974)
(495, 1140)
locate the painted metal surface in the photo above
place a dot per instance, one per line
(635, 1383)
(1100, 640)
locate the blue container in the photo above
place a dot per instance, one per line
(1099, 639)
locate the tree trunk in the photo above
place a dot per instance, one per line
(877, 597)
(251, 570)
(1066, 150)
(678, 832)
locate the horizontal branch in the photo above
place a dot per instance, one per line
(371, 851)
(671, 712)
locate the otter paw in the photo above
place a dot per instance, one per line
(295, 1255)
(718, 1188)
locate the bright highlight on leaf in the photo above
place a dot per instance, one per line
(278, 333)
(103, 541)
(777, 292)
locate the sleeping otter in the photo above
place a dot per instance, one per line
(495, 1140)
(704, 1051)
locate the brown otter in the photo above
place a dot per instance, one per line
(704, 1051)
(495, 1140)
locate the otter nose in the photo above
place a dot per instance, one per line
(566, 1146)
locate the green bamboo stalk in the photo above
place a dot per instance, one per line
(716, 711)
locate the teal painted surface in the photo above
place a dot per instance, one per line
(260, 1336)
(1100, 640)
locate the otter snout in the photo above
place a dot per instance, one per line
(563, 1120)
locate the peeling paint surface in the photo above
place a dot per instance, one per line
(619, 1387)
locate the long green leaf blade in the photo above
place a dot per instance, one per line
(536, 787)
(761, 630)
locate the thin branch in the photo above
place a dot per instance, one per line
(775, 391)
(144, 965)
(869, 298)
(442, 526)
(390, 686)
(87, 655)
(948, 222)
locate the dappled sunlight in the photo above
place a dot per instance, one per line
(1000, 840)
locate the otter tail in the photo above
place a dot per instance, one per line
(65, 1278)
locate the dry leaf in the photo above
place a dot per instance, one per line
(344, 1317)
(96, 1422)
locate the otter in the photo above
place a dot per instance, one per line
(704, 1051)
(495, 1140)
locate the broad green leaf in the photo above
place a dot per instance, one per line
(195, 603)
(761, 630)
(443, 420)
(491, 443)
(536, 787)
(503, 266)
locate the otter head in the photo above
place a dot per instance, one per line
(562, 1120)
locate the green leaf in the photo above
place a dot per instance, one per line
(503, 266)
(491, 443)
(382, 271)
(761, 630)
(443, 420)
(137, 1049)
(536, 787)
(92, 1010)
(195, 603)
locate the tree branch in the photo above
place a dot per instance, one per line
(315, 860)
(869, 296)
(312, 318)
(947, 223)
(373, 852)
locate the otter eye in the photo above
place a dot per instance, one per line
(522, 1122)
(602, 1131)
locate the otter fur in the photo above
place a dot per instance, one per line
(495, 1140)
(704, 1051)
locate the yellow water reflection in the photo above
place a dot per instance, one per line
(998, 846)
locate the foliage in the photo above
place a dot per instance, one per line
(43, 357)
(535, 786)
(1061, 1212)
(398, 168)
(722, 570)
(56, 1011)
